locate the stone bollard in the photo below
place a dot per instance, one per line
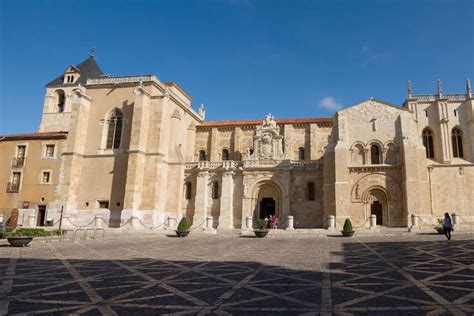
(332, 222)
(290, 223)
(414, 220)
(134, 224)
(171, 222)
(31, 220)
(373, 221)
(248, 222)
(98, 221)
(209, 222)
(455, 219)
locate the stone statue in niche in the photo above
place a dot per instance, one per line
(357, 195)
(267, 141)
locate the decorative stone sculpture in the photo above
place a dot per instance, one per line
(202, 111)
(267, 141)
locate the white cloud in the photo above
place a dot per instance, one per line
(330, 103)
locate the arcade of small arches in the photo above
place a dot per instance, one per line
(226, 154)
(374, 153)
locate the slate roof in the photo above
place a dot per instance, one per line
(302, 120)
(32, 136)
(89, 70)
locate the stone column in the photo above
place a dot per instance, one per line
(313, 141)
(443, 116)
(214, 151)
(201, 199)
(342, 181)
(75, 147)
(288, 132)
(238, 143)
(470, 117)
(226, 216)
(415, 174)
(136, 153)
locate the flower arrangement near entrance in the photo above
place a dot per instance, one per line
(262, 228)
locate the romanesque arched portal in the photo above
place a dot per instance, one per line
(266, 199)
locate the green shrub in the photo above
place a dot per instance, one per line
(262, 224)
(30, 232)
(347, 225)
(183, 225)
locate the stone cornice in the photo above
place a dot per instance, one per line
(373, 168)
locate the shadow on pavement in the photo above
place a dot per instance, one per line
(379, 278)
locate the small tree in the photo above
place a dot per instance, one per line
(183, 225)
(347, 226)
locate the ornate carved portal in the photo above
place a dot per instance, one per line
(377, 205)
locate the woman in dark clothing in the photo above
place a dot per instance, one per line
(447, 226)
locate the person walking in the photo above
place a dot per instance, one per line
(447, 226)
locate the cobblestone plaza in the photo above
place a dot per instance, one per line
(134, 274)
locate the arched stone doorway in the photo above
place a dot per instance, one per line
(377, 204)
(267, 200)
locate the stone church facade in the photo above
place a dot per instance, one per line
(123, 147)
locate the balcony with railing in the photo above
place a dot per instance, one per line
(231, 164)
(18, 162)
(13, 187)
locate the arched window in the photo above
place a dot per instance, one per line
(114, 133)
(225, 154)
(61, 100)
(427, 136)
(202, 155)
(251, 151)
(311, 192)
(391, 156)
(301, 153)
(456, 139)
(358, 156)
(215, 190)
(188, 190)
(375, 154)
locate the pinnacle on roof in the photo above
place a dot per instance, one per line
(88, 69)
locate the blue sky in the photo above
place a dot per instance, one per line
(241, 58)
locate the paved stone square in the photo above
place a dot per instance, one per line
(223, 274)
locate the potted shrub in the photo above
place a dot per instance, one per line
(347, 230)
(183, 228)
(19, 237)
(262, 229)
(440, 228)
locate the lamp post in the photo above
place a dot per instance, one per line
(61, 219)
